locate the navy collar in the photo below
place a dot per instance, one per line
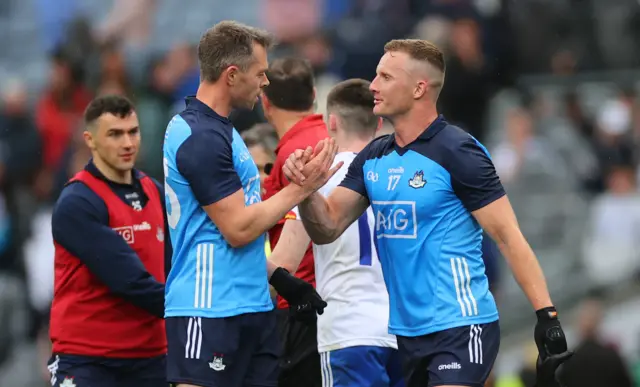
(195, 104)
(434, 128)
(92, 169)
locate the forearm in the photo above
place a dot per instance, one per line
(291, 247)
(525, 268)
(318, 219)
(258, 218)
(271, 267)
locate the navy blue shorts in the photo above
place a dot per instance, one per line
(461, 356)
(81, 371)
(361, 366)
(237, 351)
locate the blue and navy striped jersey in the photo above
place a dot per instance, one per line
(428, 242)
(205, 160)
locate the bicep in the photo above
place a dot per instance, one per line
(497, 219)
(473, 176)
(224, 212)
(205, 160)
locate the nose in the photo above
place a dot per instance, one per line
(128, 141)
(373, 86)
(266, 82)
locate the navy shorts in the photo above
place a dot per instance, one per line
(85, 371)
(237, 351)
(461, 356)
(361, 366)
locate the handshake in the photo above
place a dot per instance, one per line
(312, 168)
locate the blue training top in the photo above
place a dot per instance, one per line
(428, 242)
(205, 161)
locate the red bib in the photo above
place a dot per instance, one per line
(86, 318)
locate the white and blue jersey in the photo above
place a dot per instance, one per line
(206, 160)
(428, 242)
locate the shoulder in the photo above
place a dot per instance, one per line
(76, 198)
(194, 130)
(377, 148)
(454, 147)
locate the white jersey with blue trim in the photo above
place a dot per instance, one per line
(349, 278)
(206, 160)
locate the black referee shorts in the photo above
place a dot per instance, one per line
(300, 361)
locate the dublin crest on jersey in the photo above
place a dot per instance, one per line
(417, 181)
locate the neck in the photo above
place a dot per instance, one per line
(114, 175)
(215, 97)
(283, 120)
(410, 125)
(351, 142)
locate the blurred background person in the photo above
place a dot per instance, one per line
(595, 362)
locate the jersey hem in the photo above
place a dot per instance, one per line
(369, 342)
(189, 312)
(425, 330)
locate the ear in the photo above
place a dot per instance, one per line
(88, 139)
(332, 126)
(420, 89)
(231, 75)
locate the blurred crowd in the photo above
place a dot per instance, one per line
(549, 86)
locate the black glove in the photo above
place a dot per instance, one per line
(552, 347)
(304, 301)
(546, 369)
(548, 333)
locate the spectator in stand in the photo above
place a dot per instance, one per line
(595, 362)
(58, 115)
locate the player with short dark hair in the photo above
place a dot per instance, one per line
(433, 189)
(288, 105)
(108, 229)
(221, 328)
(354, 345)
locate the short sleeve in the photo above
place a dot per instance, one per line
(354, 180)
(473, 175)
(205, 160)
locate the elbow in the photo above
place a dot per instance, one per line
(238, 239)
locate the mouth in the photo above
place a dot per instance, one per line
(377, 101)
(127, 157)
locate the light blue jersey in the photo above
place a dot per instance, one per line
(428, 242)
(206, 160)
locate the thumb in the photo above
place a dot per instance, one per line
(335, 169)
(306, 155)
(319, 147)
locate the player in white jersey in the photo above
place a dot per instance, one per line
(353, 340)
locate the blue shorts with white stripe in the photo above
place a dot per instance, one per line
(361, 366)
(237, 351)
(462, 356)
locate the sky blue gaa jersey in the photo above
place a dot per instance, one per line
(428, 242)
(206, 160)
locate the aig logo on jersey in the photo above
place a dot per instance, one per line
(417, 181)
(395, 219)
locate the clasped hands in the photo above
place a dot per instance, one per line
(310, 168)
